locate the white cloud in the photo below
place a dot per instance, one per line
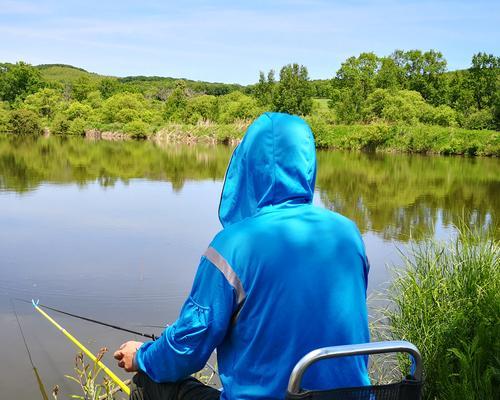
(21, 7)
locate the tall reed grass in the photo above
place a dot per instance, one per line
(447, 302)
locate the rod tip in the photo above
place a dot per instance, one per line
(35, 303)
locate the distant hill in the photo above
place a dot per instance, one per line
(64, 73)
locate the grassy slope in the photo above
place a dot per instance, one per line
(65, 73)
(69, 73)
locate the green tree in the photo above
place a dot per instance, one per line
(25, 122)
(359, 73)
(485, 73)
(204, 107)
(389, 75)
(74, 119)
(18, 81)
(460, 94)
(237, 106)
(78, 110)
(321, 88)
(82, 87)
(482, 119)
(108, 87)
(44, 102)
(123, 108)
(137, 129)
(443, 115)
(353, 83)
(4, 117)
(395, 106)
(264, 89)
(423, 72)
(94, 99)
(293, 93)
(176, 103)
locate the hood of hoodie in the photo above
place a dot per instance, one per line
(275, 163)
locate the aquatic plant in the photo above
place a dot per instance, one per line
(446, 300)
(87, 377)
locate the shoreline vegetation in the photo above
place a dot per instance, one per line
(446, 301)
(404, 102)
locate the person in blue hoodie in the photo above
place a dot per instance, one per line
(282, 278)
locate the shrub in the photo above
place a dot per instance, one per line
(44, 102)
(78, 110)
(202, 107)
(94, 99)
(60, 124)
(77, 127)
(123, 108)
(136, 129)
(405, 106)
(447, 302)
(444, 116)
(237, 106)
(4, 117)
(366, 138)
(25, 122)
(321, 130)
(175, 106)
(483, 119)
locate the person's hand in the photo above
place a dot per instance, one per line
(126, 355)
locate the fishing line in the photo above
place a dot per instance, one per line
(94, 321)
(153, 337)
(85, 350)
(38, 379)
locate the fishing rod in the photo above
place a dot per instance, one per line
(89, 354)
(43, 392)
(152, 336)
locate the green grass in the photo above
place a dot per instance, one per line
(424, 139)
(447, 302)
(322, 104)
(65, 73)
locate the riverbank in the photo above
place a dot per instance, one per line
(421, 139)
(446, 301)
(372, 137)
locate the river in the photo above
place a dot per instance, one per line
(114, 231)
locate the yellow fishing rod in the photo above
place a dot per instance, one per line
(75, 341)
(41, 387)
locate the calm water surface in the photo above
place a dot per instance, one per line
(114, 230)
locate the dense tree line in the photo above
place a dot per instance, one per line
(414, 86)
(407, 87)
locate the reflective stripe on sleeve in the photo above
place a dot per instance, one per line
(223, 266)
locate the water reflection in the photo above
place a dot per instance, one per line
(397, 196)
(114, 231)
(401, 196)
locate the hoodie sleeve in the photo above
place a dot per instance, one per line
(185, 346)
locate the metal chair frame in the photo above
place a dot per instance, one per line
(314, 356)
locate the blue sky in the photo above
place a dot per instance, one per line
(230, 41)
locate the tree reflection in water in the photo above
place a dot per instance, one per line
(397, 196)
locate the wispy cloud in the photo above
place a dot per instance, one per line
(20, 7)
(231, 41)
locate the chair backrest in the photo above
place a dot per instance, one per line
(408, 389)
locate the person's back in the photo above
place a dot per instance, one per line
(303, 269)
(304, 277)
(281, 279)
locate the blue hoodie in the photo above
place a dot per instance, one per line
(281, 279)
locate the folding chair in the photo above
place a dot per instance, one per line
(409, 388)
